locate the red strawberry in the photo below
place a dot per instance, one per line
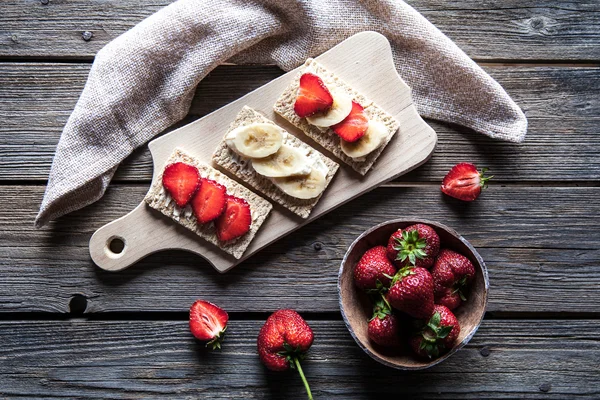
(209, 201)
(235, 221)
(208, 323)
(181, 181)
(438, 335)
(394, 241)
(282, 342)
(464, 182)
(416, 245)
(384, 327)
(354, 126)
(374, 270)
(313, 96)
(412, 292)
(452, 273)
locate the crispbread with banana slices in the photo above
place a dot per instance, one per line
(241, 167)
(284, 106)
(160, 200)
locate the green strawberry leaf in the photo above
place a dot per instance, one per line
(412, 258)
(444, 331)
(435, 320)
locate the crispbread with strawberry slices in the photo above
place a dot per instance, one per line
(231, 162)
(284, 106)
(260, 208)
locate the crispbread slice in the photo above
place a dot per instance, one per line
(227, 159)
(260, 208)
(284, 106)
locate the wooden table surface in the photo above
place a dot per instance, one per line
(69, 329)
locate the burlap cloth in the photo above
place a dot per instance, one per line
(143, 81)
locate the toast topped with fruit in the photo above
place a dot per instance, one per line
(274, 162)
(336, 116)
(205, 201)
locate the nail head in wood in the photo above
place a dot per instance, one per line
(87, 36)
(44, 2)
(485, 351)
(317, 246)
(545, 387)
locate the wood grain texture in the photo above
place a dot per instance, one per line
(151, 359)
(561, 104)
(540, 246)
(514, 29)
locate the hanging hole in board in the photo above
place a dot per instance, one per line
(115, 247)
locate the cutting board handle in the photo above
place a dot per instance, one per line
(105, 249)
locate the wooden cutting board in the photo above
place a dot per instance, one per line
(365, 62)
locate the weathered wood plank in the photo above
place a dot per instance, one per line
(540, 245)
(115, 359)
(516, 29)
(561, 103)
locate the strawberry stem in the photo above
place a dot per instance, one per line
(483, 180)
(411, 246)
(299, 368)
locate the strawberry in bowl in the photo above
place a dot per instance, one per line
(404, 320)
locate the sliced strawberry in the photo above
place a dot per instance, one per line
(313, 96)
(464, 182)
(209, 201)
(235, 220)
(354, 126)
(181, 181)
(208, 322)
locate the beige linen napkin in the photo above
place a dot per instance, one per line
(143, 81)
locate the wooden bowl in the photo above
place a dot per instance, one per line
(357, 308)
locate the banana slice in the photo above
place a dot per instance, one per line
(303, 187)
(374, 137)
(342, 105)
(255, 140)
(287, 161)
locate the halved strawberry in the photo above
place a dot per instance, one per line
(181, 181)
(354, 126)
(208, 322)
(209, 201)
(464, 182)
(313, 96)
(235, 220)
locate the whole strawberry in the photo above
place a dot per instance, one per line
(282, 342)
(416, 245)
(412, 292)
(452, 274)
(384, 327)
(208, 323)
(438, 335)
(374, 270)
(464, 182)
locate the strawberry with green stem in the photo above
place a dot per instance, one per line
(465, 182)
(452, 274)
(411, 292)
(208, 323)
(283, 341)
(384, 326)
(416, 245)
(438, 335)
(373, 272)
